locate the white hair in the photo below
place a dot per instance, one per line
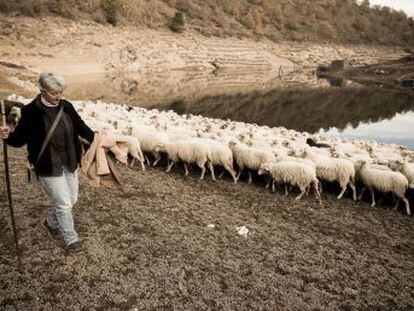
(50, 82)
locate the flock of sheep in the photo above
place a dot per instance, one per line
(280, 154)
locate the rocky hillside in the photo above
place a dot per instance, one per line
(344, 21)
(154, 67)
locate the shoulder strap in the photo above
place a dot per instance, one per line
(50, 133)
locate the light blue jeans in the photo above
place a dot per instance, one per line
(63, 191)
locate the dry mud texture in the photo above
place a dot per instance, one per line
(150, 248)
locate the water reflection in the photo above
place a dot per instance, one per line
(310, 105)
(155, 89)
(363, 110)
(398, 130)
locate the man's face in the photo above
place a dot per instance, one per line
(53, 97)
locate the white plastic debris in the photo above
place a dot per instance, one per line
(211, 225)
(242, 231)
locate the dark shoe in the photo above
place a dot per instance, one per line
(52, 233)
(75, 247)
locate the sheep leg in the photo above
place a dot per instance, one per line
(342, 192)
(239, 174)
(210, 166)
(362, 192)
(203, 171)
(186, 169)
(372, 196)
(393, 196)
(148, 161)
(231, 171)
(407, 206)
(352, 185)
(170, 166)
(268, 183)
(286, 190)
(142, 165)
(221, 175)
(317, 194)
(301, 194)
(273, 186)
(250, 177)
(382, 198)
(397, 203)
(320, 187)
(157, 159)
(132, 163)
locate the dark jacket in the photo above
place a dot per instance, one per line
(31, 130)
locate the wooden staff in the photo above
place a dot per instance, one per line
(7, 178)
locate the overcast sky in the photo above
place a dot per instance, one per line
(406, 5)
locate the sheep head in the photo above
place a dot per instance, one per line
(396, 165)
(335, 154)
(291, 152)
(160, 147)
(359, 164)
(223, 127)
(232, 143)
(301, 153)
(264, 168)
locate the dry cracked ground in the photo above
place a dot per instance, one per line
(153, 246)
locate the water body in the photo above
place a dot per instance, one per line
(398, 130)
(345, 112)
(336, 108)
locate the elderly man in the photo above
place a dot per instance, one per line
(57, 164)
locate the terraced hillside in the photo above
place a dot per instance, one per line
(345, 21)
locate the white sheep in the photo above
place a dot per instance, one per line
(384, 181)
(134, 148)
(333, 169)
(249, 158)
(220, 155)
(295, 159)
(188, 151)
(294, 173)
(405, 168)
(149, 138)
(299, 160)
